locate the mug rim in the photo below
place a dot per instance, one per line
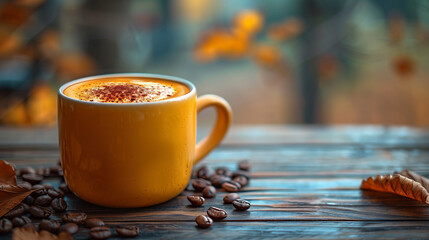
(187, 83)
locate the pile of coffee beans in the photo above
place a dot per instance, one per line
(206, 180)
(35, 211)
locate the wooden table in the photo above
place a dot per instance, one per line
(305, 184)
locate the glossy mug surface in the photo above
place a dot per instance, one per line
(134, 154)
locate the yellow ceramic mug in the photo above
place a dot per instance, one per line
(134, 154)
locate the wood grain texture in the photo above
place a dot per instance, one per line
(305, 184)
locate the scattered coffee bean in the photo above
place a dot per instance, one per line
(71, 228)
(102, 232)
(244, 165)
(240, 173)
(59, 205)
(48, 186)
(46, 172)
(20, 221)
(216, 213)
(236, 184)
(50, 225)
(230, 197)
(54, 193)
(199, 184)
(40, 171)
(26, 207)
(218, 180)
(203, 221)
(55, 171)
(5, 226)
(196, 201)
(128, 231)
(44, 201)
(25, 185)
(28, 200)
(224, 171)
(30, 226)
(39, 212)
(17, 211)
(39, 191)
(94, 222)
(230, 187)
(204, 172)
(243, 181)
(63, 187)
(32, 178)
(241, 204)
(209, 192)
(27, 170)
(77, 218)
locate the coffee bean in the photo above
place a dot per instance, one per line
(244, 165)
(28, 200)
(26, 207)
(236, 184)
(241, 204)
(77, 218)
(32, 178)
(50, 225)
(196, 201)
(218, 180)
(17, 211)
(71, 228)
(128, 231)
(203, 221)
(230, 187)
(243, 181)
(94, 222)
(46, 172)
(102, 232)
(5, 226)
(63, 187)
(204, 172)
(39, 191)
(20, 221)
(27, 170)
(40, 171)
(223, 171)
(55, 171)
(54, 193)
(217, 213)
(30, 226)
(241, 173)
(44, 201)
(199, 184)
(59, 205)
(25, 185)
(209, 192)
(230, 197)
(39, 212)
(48, 186)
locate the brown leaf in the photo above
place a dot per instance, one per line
(397, 184)
(10, 194)
(7, 173)
(24, 233)
(416, 177)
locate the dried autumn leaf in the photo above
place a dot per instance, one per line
(24, 233)
(7, 173)
(10, 194)
(397, 184)
(416, 177)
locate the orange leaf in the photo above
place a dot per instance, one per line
(7, 173)
(10, 194)
(397, 184)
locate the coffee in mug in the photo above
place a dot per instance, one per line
(129, 140)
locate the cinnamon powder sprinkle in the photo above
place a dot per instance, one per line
(120, 92)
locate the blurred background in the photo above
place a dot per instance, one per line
(276, 62)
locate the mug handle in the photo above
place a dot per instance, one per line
(223, 121)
